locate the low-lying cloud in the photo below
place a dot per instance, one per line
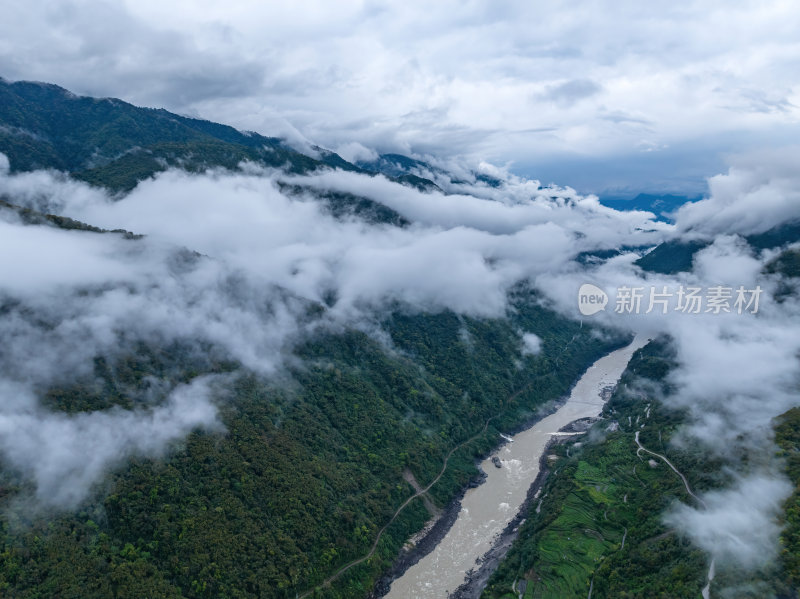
(759, 192)
(232, 261)
(65, 455)
(738, 526)
(230, 264)
(736, 372)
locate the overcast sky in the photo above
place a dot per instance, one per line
(597, 95)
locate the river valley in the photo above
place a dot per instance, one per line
(487, 509)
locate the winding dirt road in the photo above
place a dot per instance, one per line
(422, 491)
(706, 592)
(674, 469)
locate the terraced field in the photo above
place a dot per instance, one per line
(599, 519)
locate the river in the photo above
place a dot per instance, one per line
(488, 508)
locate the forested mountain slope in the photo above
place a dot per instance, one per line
(291, 470)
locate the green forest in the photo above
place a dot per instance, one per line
(307, 468)
(600, 526)
(306, 472)
(309, 465)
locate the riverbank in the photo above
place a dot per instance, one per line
(477, 579)
(458, 555)
(434, 532)
(428, 541)
(442, 525)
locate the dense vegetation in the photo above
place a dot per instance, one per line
(309, 467)
(307, 471)
(787, 436)
(600, 493)
(113, 144)
(45, 126)
(671, 257)
(599, 523)
(786, 263)
(677, 255)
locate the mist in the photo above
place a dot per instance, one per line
(231, 262)
(228, 264)
(73, 452)
(736, 372)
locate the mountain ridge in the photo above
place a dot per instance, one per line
(115, 144)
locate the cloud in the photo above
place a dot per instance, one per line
(531, 344)
(570, 92)
(739, 525)
(264, 256)
(355, 152)
(82, 259)
(65, 455)
(228, 267)
(483, 244)
(457, 79)
(476, 81)
(759, 191)
(736, 372)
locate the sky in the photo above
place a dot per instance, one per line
(613, 98)
(606, 97)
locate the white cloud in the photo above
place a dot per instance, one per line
(531, 344)
(739, 525)
(759, 191)
(473, 79)
(66, 454)
(736, 373)
(355, 152)
(69, 296)
(265, 253)
(686, 81)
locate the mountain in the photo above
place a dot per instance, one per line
(600, 522)
(305, 467)
(677, 255)
(418, 172)
(233, 383)
(662, 205)
(301, 481)
(110, 142)
(114, 144)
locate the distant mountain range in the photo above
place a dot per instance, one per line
(303, 479)
(305, 474)
(661, 205)
(114, 144)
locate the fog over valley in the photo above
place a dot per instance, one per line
(228, 263)
(462, 301)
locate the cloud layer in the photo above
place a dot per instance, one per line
(736, 372)
(230, 261)
(73, 452)
(636, 96)
(228, 267)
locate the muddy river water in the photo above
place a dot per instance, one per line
(488, 508)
